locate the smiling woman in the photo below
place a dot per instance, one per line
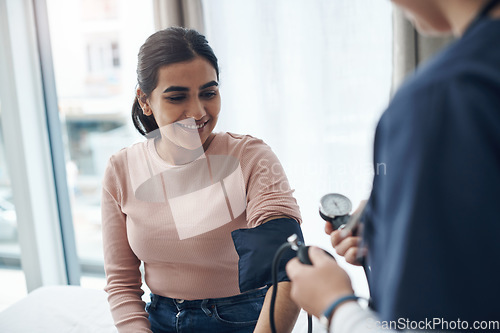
(193, 205)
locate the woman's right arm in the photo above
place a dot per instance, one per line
(121, 265)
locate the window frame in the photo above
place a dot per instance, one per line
(34, 148)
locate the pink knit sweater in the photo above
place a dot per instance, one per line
(178, 219)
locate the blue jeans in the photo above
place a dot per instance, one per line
(229, 314)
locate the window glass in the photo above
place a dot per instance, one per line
(94, 48)
(13, 286)
(311, 79)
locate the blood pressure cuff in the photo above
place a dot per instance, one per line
(256, 248)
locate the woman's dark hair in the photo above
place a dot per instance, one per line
(163, 48)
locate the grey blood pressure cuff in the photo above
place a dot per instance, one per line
(256, 248)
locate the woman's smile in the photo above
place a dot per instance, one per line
(193, 126)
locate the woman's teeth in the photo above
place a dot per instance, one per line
(193, 126)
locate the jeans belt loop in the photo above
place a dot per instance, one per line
(154, 301)
(205, 308)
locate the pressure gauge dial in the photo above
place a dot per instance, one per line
(335, 208)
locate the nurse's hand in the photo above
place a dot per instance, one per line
(346, 243)
(315, 287)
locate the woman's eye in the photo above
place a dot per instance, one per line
(175, 98)
(208, 94)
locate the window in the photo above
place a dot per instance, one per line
(95, 55)
(13, 286)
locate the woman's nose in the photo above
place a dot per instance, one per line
(196, 110)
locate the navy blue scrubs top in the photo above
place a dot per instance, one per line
(432, 224)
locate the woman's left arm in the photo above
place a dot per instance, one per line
(285, 311)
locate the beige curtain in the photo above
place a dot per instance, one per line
(410, 49)
(181, 13)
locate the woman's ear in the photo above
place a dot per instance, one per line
(143, 102)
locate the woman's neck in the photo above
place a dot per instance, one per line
(176, 155)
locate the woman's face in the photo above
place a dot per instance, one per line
(186, 102)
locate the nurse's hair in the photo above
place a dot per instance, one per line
(165, 47)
